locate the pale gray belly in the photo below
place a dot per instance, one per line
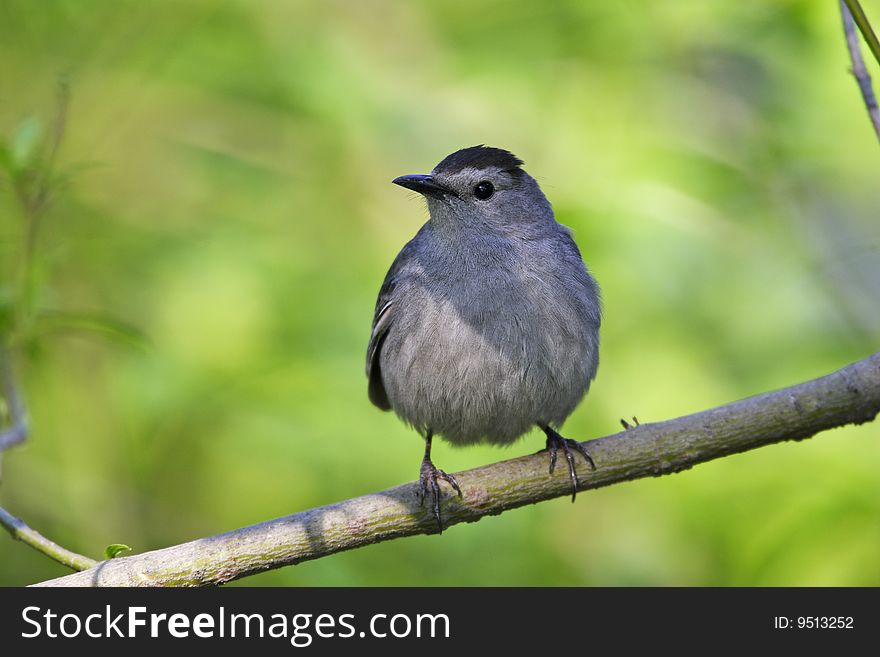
(472, 377)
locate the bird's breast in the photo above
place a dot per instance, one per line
(486, 357)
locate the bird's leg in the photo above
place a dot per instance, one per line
(554, 442)
(428, 477)
(627, 425)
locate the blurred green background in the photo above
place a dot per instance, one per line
(223, 187)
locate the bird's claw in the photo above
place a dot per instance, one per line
(428, 477)
(626, 425)
(554, 442)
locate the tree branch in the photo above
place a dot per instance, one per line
(19, 530)
(17, 431)
(858, 14)
(858, 64)
(848, 396)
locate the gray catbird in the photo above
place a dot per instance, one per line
(487, 323)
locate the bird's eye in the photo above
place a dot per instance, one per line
(484, 190)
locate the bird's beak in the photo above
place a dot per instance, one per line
(424, 184)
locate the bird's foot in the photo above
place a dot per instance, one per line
(554, 442)
(428, 482)
(627, 425)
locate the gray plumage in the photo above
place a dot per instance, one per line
(487, 323)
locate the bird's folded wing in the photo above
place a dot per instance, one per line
(381, 323)
(402, 270)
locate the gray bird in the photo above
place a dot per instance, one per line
(487, 323)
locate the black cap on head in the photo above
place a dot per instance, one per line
(479, 157)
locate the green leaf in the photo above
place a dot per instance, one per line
(25, 142)
(114, 550)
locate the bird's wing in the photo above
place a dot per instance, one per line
(376, 389)
(382, 319)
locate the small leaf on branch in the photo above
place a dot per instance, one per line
(115, 549)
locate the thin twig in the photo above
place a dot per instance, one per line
(19, 530)
(33, 201)
(851, 395)
(865, 28)
(33, 194)
(17, 432)
(858, 65)
(44, 177)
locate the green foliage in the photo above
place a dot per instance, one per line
(115, 549)
(222, 187)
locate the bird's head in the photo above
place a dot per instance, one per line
(480, 186)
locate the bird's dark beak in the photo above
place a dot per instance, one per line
(424, 184)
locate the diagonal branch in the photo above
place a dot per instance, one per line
(20, 531)
(17, 431)
(848, 396)
(858, 14)
(858, 64)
